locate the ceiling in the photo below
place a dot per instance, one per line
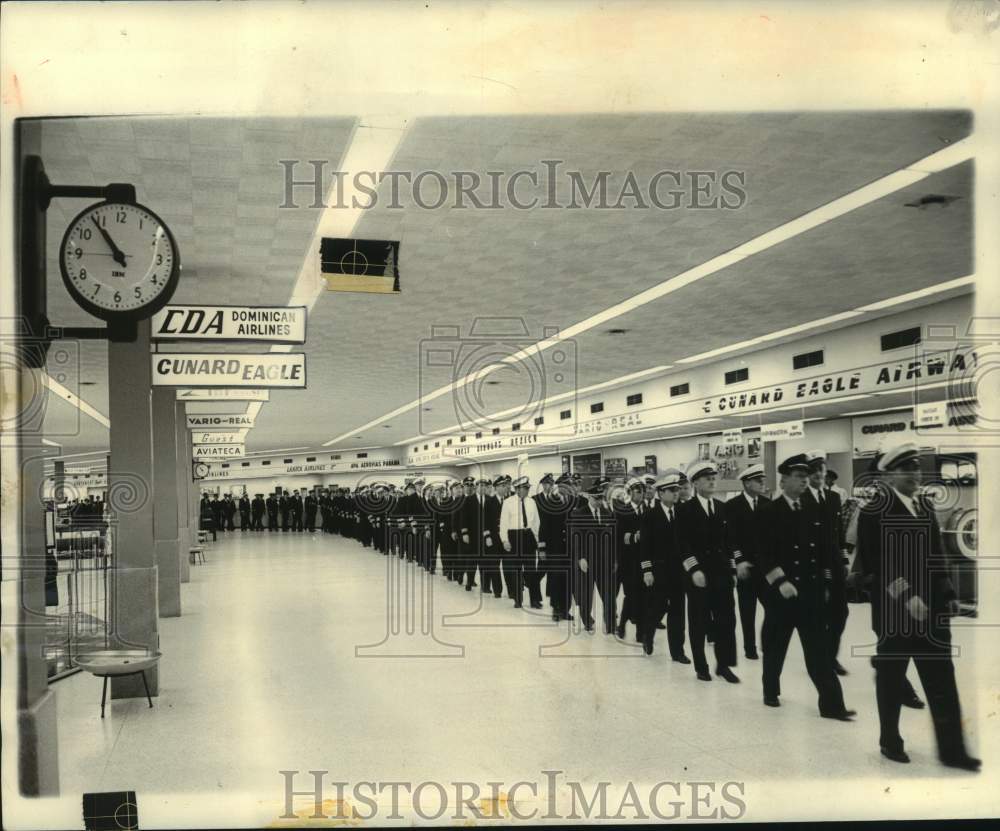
(217, 182)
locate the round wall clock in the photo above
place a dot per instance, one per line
(119, 261)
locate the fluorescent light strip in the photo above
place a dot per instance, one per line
(954, 154)
(920, 294)
(372, 147)
(65, 395)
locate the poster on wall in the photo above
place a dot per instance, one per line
(615, 468)
(650, 464)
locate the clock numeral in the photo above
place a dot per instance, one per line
(140, 223)
(97, 288)
(118, 297)
(79, 253)
(138, 291)
(155, 281)
(121, 217)
(83, 274)
(102, 220)
(159, 259)
(85, 233)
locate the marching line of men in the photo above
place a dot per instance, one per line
(677, 553)
(285, 511)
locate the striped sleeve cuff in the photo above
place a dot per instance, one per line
(738, 556)
(827, 574)
(691, 563)
(897, 587)
(646, 565)
(775, 574)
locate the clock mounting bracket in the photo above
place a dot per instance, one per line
(36, 194)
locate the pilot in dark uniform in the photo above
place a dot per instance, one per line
(554, 503)
(591, 541)
(257, 508)
(630, 575)
(707, 560)
(659, 564)
(272, 512)
(470, 531)
(796, 567)
(311, 506)
(912, 602)
(829, 504)
(244, 513)
(741, 528)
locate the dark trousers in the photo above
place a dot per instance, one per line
(557, 582)
(534, 571)
(468, 560)
(805, 614)
(649, 604)
(244, 520)
(296, 521)
(272, 522)
(521, 557)
(258, 524)
(712, 612)
(600, 573)
(937, 674)
(675, 601)
(230, 526)
(746, 593)
(286, 520)
(837, 612)
(311, 520)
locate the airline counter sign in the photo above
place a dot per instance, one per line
(214, 369)
(210, 421)
(271, 324)
(218, 437)
(220, 452)
(222, 395)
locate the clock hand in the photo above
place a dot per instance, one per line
(116, 251)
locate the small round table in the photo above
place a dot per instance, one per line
(109, 663)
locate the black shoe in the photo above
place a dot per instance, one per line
(844, 715)
(964, 762)
(647, 646)
(912, 700)
(752, 655)
(555, 617)
(620, 632)
(533, 605)
(518, 604)
(838, 667)
(589, 628)
(772, 701)
(566, 616)
(728, 674)
(468, 588)
(704, 676)
(661, 626)
(680, 659)
(895, 755)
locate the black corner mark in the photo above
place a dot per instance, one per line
(110, 811)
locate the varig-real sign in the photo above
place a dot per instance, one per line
(211, 421)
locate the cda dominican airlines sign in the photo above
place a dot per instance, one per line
(273, 324)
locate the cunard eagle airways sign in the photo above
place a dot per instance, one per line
(214, 369)
(273, 324)
(365, 265)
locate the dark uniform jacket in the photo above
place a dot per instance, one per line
(902, 556)
(473, 520)
(628, 525)
(792, 546)
(658, 545)
(742, 528)
(834, 535)
(593, 539)
(703, 541)
(257, 506)
(553, 511)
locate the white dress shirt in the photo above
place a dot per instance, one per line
(510, 516)
(704, 504)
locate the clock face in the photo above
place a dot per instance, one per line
(119, 261)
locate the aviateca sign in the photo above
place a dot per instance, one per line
(273, 324)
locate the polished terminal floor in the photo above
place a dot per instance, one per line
(281, 662)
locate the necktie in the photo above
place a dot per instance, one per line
(795, 505)
(753, 504)
(822, 498)
(524, 515)
(711, 512)
(670, 514)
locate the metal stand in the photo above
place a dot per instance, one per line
(104, 692)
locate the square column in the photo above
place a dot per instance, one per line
(166, 498)
(133, 580)
(187, 527)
